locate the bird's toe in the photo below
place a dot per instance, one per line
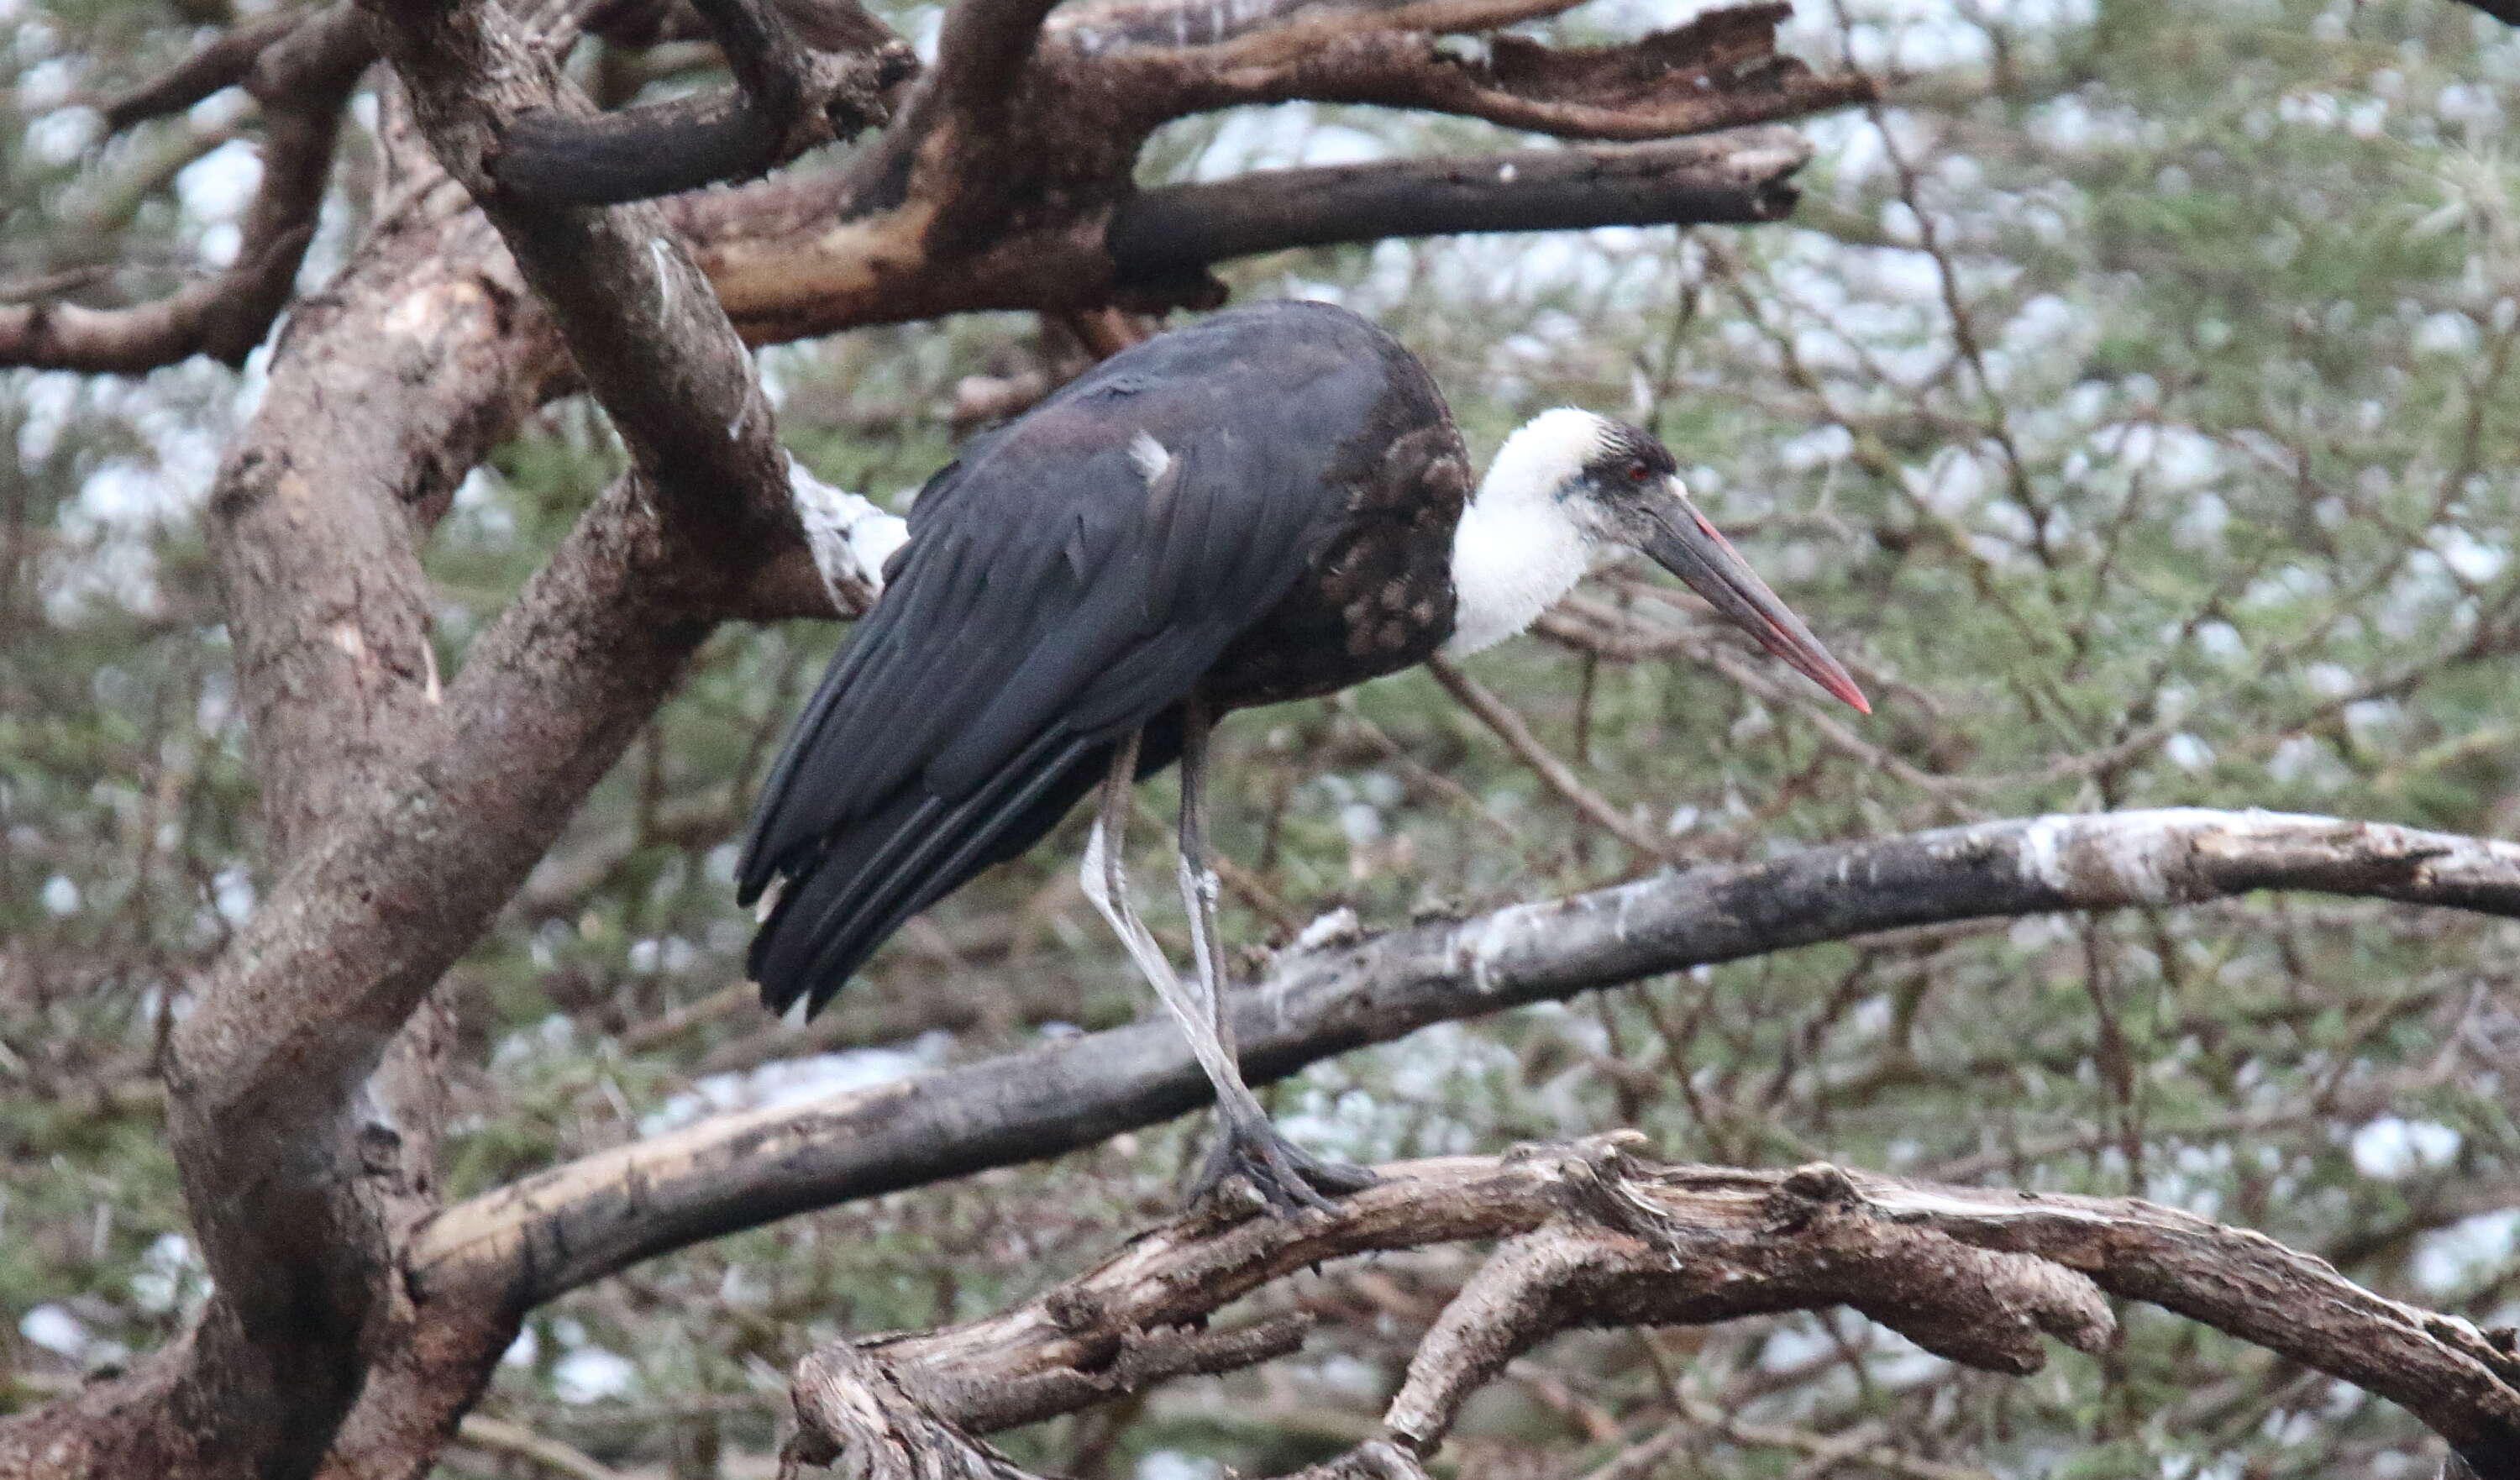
(1287, 1178)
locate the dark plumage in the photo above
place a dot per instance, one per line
(1292, 540)
(1270, 504)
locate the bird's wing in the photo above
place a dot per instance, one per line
(1065, 582)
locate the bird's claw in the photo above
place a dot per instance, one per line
(1287, 1178)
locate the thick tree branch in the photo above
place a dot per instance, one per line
(1023, 196)
(291, 1158)
(1718, 71)
(1593, 1236)
(580, 1221)
(788, 95)
(642, 323)
(1167, 234)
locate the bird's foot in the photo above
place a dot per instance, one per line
(1286, 1176)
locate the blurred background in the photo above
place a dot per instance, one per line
(2131, 402)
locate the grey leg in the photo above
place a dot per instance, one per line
(1247, 1143)
(1285, 1175)
(1106, 882)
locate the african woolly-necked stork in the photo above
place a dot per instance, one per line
(1270, 504)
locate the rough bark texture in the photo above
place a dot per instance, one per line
(1591, 1235)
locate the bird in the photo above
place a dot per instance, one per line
(1270, 504)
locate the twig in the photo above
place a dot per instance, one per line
(1500, 717)
(499, 1436)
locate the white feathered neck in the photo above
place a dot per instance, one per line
(1524, 540)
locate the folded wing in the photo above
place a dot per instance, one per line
(1069, 580)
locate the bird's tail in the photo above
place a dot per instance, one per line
(835, 910)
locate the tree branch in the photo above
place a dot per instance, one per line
(1022, 196)
(1560, 778)
(1096, 26)
(788, 95)
(222, 63)
(642, 324)
(553, 1231)
(1718, 71)
(303, 75)
(1165, 235)
(1593, 1236)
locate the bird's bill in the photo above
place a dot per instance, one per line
(1688, 546)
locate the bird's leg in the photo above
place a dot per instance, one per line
(1105, 882)
(1283, 1173)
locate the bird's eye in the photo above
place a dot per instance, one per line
(1638, 472)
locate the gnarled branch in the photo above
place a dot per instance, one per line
(790, 95)
(303, 75)
(1592, 1235)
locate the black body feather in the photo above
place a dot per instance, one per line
(1054, 597)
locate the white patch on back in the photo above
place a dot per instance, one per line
(1150, 456)
(850, 537)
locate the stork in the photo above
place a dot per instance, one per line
(1269, 505)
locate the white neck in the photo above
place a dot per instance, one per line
(1518, 547)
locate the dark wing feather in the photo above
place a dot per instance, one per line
(1052, 598)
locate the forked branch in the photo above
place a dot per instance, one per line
(301, 74)
(1594, 1236)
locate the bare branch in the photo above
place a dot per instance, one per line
(1741, 177)
(1592, 1236)
(211, 315)
(222, 63)
(540, 1450)
(1096, 26)
(789, 95)
(302, 75)
(1719, 70)
(982, 53)
(553, 1231)
(645, 329)
(1025, 198)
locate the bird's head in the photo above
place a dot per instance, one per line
(1620, 487)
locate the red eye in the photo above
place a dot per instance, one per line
(1638, 472)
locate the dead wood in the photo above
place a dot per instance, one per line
(1594, 1236)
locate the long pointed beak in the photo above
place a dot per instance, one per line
(1685, 544)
